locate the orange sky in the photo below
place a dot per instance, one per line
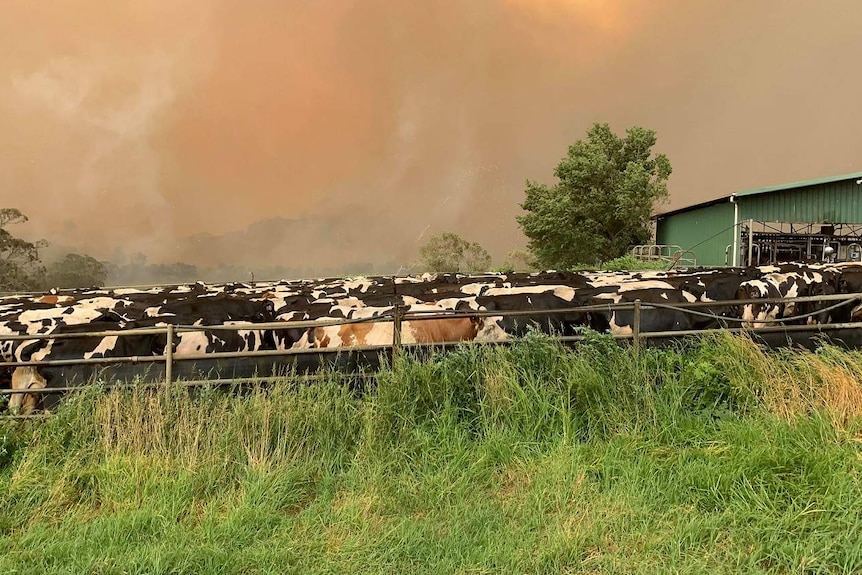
(128, 126)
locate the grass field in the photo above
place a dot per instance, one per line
(713, 458)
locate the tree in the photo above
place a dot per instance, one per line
(519, 261)
(449, 252)
(602, 203)
(75, 270)
(20, 266)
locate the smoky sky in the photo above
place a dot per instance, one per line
(286, 131)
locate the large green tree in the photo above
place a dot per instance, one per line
(20, 266)
(607, 188)
(449, 252)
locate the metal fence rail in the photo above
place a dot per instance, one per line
(397, 316)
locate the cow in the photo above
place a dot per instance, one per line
(366, 305)
(562, 323)
(413, 330)
(219, 309)
(652, 319)
(849, 282)
(802, 282)
(759, 314)
(25, 378)
(74, 348)
(825, 282)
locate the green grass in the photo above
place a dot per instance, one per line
(713, 458)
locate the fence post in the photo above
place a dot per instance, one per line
(396, 330)
(636, 326)
(169, 355)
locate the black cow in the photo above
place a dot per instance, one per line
(565, 324)
(828, 285)
(652, 319)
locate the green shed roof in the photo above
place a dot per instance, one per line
(694, 207)
(766, 190)
(805, 184)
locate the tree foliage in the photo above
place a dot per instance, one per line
(20, 266)
(607, 188)
(75, 270)
(519, 261)
(449, 252)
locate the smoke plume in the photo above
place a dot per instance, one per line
(328, 133)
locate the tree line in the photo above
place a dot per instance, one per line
(22, 269)
(607, 187)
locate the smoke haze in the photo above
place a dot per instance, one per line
(328, 133)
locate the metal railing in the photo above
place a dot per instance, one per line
(670, 254)
(398, 316)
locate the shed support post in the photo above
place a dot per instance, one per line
(735, 259)
(636, 327)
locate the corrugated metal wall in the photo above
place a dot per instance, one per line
(707, 231)
(836, 202)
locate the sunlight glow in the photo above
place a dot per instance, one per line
(602, 15)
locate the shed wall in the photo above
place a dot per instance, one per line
(836, 202)
(707, 231)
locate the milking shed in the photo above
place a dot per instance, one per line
(814, 220)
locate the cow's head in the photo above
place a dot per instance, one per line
(26, 378)
(488, 328)
(755, 313)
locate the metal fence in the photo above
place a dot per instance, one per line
(672, 255)
(397, 316)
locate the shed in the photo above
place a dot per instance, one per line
(814, 220)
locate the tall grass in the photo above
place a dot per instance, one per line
(715, 456)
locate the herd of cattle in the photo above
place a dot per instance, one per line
(366, 307)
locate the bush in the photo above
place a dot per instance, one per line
(631, 263)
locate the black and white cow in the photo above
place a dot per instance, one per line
(368, 300)
(75, 348)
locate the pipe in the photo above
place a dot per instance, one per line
(735, 228)
(310, 377)
(44, 336)
(750, 240)
(289, 352)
